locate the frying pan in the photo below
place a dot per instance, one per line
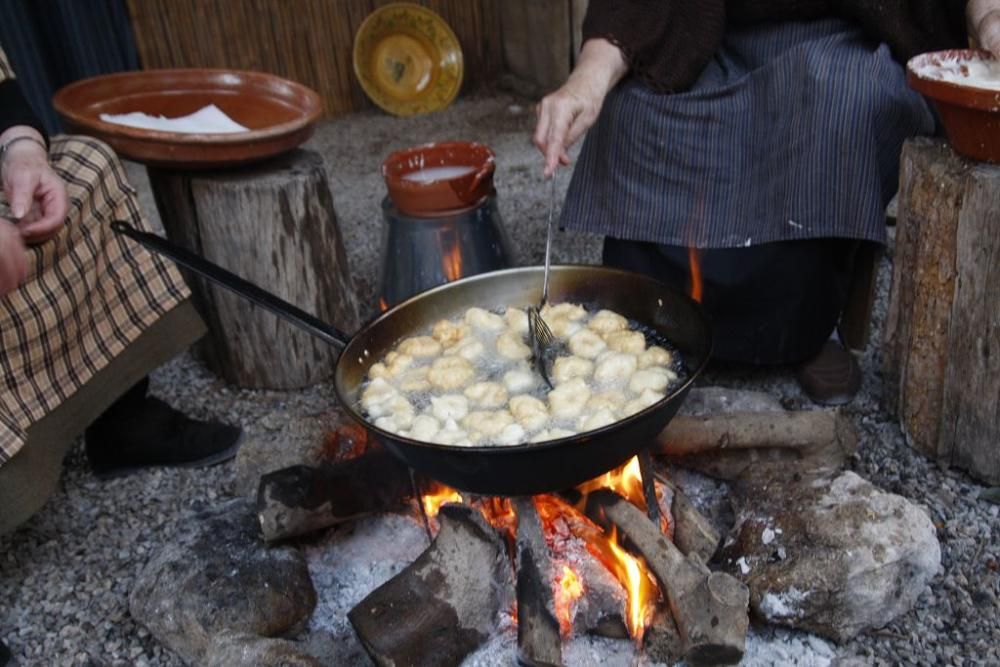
(525, 469)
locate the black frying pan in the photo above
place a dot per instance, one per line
(511, 470)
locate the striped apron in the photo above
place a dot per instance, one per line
(87, 296)
(792, 132)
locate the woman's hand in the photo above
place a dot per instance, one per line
(34, 191)
(564, 115)
(983, 18)
(13, 258)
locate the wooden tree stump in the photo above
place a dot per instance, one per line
(274, 224)
(942, 334)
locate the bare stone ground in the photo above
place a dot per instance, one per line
(66, 574)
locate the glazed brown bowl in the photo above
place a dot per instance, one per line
(432, 198)
(970, 114)
(279, 113)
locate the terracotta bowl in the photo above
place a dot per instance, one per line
(280, 114)
(440, 178)
(970, 114)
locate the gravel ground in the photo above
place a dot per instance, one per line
(66, 574)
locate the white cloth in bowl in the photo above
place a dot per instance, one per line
(207, 120)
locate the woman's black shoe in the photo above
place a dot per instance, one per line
(149, 433)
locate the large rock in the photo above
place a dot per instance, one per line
(218, 578)
(831, 555)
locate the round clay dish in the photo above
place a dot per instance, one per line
(439, 196)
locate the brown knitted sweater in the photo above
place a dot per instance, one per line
(668, 42)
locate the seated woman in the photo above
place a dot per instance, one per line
(766, 135)
(84, 317)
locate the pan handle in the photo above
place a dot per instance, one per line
(233, 282)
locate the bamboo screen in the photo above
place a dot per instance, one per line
(309, 41)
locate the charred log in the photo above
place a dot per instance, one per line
(301, 499)
(710, 608)
(538, 640)
(445, 604)
(693, 532)
(725, 445)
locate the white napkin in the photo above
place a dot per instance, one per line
(207, 120)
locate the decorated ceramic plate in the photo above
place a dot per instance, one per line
(408, 60)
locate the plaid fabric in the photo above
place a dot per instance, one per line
(5, 71)
(88, 295)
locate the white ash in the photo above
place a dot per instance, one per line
(744, 565)
(773, 646)
(784, 605)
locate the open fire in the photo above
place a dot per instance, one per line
(559, 519)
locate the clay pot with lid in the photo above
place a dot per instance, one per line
(439, 178)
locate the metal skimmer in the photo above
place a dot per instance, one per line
(543, 342)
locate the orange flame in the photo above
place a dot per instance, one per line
(641, 590)
(451, 263)
(499, 513)
(568, 590)
(626, 481)
(433, 500)
(382, 305)
(694, 260)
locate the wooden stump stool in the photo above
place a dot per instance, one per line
(942, 335)
(273, 224)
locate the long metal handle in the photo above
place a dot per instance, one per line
(548, 238)
(234, 283)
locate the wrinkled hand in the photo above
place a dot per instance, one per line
(564, 115)
(13, 258)
(983, 18)
(34, 191)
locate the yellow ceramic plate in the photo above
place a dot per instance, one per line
(407, 59)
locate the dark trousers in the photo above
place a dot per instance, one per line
(775, 303)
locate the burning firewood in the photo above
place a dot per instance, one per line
(710, 608)
(694, 534)
(725, 445)
(445, 604)
(538, 640)
(301, 499)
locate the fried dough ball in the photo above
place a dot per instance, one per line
(450, 372)
(606, 400)
(517, 320)
(562, 327)
(487, 395)
(469, 349)
(551, 434)
(397, 414)
(632, 342)
(519, 380)
(420, 346)
(414, 379)
(586, 343)
(606, 321)
(512, 434)
(655, 356)
(448, 333)
(568, 399)
(449, 407)
(488, 423)
(511, 345)
(654, 378)
(424, 428)
(529, 412)
(567, 368)
(394, 364)
(389, 424)
(597, 420)
(615, 367)
(377, 396)
(570, 311)
(451, 435)
(645, 400)
(479, 318)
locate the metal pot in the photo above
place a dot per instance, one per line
(525, 469)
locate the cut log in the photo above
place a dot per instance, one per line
(662, 642)
(694, 534)
(941, 334)
(710, 608)
(445, 604)
(273, 224)
(538, 640)
(725, 445)
(301, 499)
